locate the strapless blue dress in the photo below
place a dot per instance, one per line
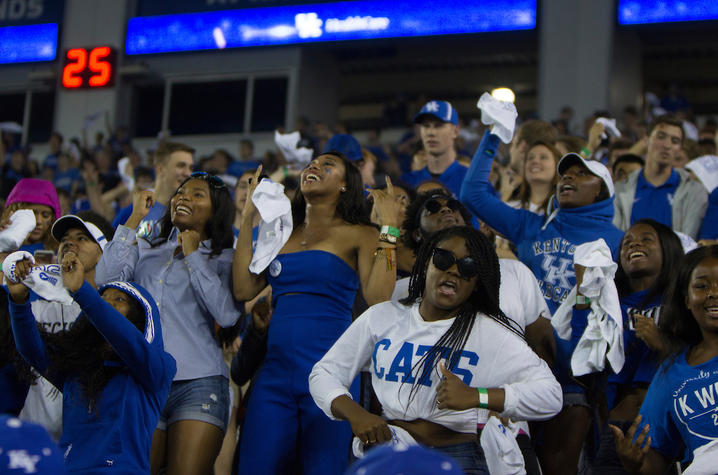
(313, 293)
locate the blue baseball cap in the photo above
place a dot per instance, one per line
(442, 110)
(400, 459)
(345, 144)
(27, 448)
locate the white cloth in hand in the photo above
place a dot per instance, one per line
(705, 168)
(276, 225)
(500, 115)
(287, 144)
(399, 438)
(609, 126)
(501, 450)
(704, 460)
(126, 173)
(45, 281)
(22, 222)
(603, 337)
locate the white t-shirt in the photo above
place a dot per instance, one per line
(390, 338)
(519, 293)
(43, 404)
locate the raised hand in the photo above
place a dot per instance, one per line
(18, 290)
(386, 208)
(73, 272)
(249, 209)
(647, 331)
(142, 201)
(632, 453)
(452, 393)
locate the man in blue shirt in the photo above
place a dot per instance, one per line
(439, 125)
(660, 191)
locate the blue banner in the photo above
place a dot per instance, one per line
(24, 44)
(632, 12)
(338, 21)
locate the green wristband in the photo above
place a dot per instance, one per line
(391, 231)
(585, 152)
(483, 398)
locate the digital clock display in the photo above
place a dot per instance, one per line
(89, 68)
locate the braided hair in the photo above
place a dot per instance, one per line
(484, 299)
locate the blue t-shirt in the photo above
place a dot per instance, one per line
(681, 406)
(641, 362)
(50, 162)
(709, 229)
(655, 202)
(237, 168)
(65, 180)
(452, 178)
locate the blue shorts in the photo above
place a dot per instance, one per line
(201, 399)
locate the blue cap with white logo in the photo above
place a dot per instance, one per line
(442, 110)
(27, 448)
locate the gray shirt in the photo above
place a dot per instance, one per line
(192, 293)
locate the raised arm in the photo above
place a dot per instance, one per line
(245, 285)
(477, 194)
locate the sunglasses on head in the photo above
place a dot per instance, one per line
(443, 260)
(213, 180)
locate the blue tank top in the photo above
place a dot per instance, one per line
(313, 293)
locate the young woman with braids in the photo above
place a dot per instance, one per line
(439, 356)
(332, 250)
(679, 416)
(110, 366)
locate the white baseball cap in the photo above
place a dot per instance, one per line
(70, 221)
(597, 168)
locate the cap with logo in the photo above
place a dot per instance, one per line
(441, 110)
(27, 448)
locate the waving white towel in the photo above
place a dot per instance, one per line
(287, 144)
(45, 281)
(22, 222)
(500, 115)
(502, 451)
(609, 125)
(399, 438)
(276, 225)
(603, 337)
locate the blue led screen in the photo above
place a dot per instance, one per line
(358, 20)
(28, 43)
(631, 12)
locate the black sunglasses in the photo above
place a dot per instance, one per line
(444, 259)
(213, 180)
(433, 206)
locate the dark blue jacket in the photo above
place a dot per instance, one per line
(546, 244)
(115, 437)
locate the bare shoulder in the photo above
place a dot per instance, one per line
(358, 235)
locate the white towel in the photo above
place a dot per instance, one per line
(276, 225)
(690, 130)
(705, 168)
(22, 222)
(287, 144)
(704, 460)
(126, 173)
(399, 438)
(609, 126)
(45, 281)
(500, 115)
(687, 242)
(603, 337)
(501, 450)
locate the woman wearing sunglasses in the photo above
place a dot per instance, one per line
(331, 252)
(439, 356)
(187, 269)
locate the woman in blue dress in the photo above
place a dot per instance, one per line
(678, 418)
(333, 249)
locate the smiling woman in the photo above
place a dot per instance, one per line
(435, 356)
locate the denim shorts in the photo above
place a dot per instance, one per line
(469, 455)
(201, 399)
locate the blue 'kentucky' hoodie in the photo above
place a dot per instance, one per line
(546, 244)
(116, 435)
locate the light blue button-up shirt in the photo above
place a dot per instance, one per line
(192, 292)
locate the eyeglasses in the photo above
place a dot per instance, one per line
(444, 259)
(213, 180)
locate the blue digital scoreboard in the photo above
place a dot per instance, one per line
(318, 22)
(28, 43)
(635, 12)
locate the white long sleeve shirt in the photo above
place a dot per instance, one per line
(390, 338)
